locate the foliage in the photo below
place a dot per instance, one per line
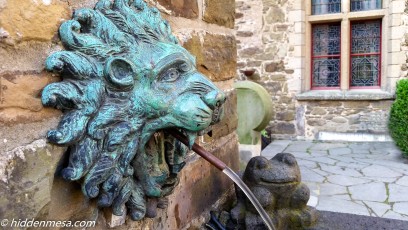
(398, 123)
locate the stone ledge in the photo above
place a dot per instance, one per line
(352, 95)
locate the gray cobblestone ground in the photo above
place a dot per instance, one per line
(358, 178)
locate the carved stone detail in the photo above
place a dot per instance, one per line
(125, 81)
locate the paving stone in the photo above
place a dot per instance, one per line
(317, 153)
(393, 215)
(403, 181)
(353, 165)
(314, 187)
(327, 203)
(299, 146)
(310, 176)
(340, 170)
(378, 208)
(320, 172)
(325, 160)
(397, 193)
(401, 208)
(328, 177)
(332, 189)
(370, 192)
(306, 163)
(340, 151)
(346, 180)
(327, 146)
(313, 201)
(275, 147)
(358, 146)
(383, 179)
(379, 171)
(302, 154)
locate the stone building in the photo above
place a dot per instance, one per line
(331, 67)
(30, 184)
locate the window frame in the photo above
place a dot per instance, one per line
(313, 57)
(346, 18)
(350, 55)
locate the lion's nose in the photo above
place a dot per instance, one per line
(214, 99)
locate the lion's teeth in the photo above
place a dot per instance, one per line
(191, 138)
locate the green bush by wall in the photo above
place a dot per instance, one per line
(398, 124)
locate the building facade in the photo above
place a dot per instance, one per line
(331, 67)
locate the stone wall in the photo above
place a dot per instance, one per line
(29, 167)
(273, 40)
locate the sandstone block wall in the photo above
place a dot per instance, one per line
(273, 39)
(29, 167)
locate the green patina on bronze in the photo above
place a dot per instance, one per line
(125, 81)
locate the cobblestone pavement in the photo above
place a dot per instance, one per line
(364, 178)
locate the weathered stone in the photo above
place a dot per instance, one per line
(23, 90)
(201, 184)
(275, 15)
(254, 63)
(289, 71)
(250, 51)
(283, 128)
(356, 104)
(30, 56)
(316, 122)
(275, 67)
(285, 99)
(339, 120)
(27, 175)
(284, 196)
(216, 55)
(238, 15)
(318, 111)
(285, 116)
(244, 33)
(32, 20)
(220, 12)
(281, 27)
(278, 77)
(181, 8)
(13, 135)
(20, 98)
(229, 123)
(269, 3)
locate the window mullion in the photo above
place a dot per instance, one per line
(345, 54)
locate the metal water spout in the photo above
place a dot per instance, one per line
(227, 171)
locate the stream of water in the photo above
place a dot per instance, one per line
(234, 177)
(227, 171)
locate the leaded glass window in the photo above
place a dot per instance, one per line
(360, 5)
(365, 53)
(326, 6)
(326, 55)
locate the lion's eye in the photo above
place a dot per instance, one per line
(184, 67)
(171, 75)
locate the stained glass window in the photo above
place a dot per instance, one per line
(365, 53)
(326, 55)
(360, 5)
(326, 6)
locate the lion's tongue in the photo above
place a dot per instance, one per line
(191, 138)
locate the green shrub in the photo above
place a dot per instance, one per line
(398, 123)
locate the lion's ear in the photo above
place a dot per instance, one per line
(119, 73)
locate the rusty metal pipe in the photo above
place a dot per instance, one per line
(199, 150)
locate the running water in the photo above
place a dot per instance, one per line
(227, 171)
